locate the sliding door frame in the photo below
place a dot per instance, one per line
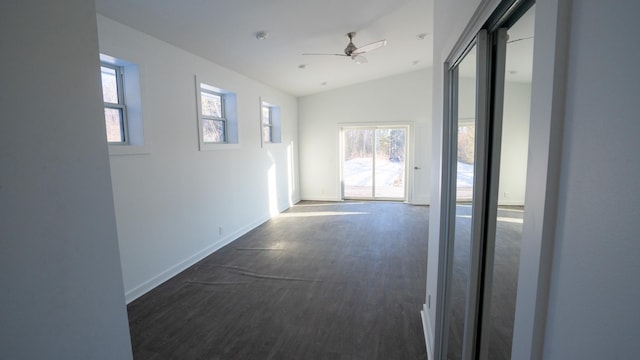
(479, 192)
(548, 96)
(408, 181)
(490, 42)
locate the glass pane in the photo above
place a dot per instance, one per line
(358, 163)
(389, 166)
(465, 159)
(109, 85)
(512, 184)
(266, 115)
(211, 104)
(113, 122)
(266, 133)
(213, 131)
(465, 155)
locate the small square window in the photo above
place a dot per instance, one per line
(113, 122)
(211, 105)
(213, 131)
(217, 117)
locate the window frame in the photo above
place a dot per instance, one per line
(229, 102)
(268, 124)
(120, 105)
(204, 117)
(275, 123)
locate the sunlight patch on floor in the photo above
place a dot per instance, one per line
(500, 218)
(321, 213)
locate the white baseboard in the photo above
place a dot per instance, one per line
(511, 202)
(420, 200)
(424, 314)
(150, 284)
(414, 201)
(321, 198)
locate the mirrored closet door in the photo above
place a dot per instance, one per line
(486, 146)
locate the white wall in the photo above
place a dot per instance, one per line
(594, 285)
(399, 99)
(61, 290)
(171, 202)
(515, 141)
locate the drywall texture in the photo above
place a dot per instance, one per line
(60, 280)
(401, 99)
(594, 285)
(176, 204)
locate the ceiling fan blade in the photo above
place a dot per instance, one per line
(369, 47)
(325, 54)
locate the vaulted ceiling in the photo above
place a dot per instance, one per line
(224, 32)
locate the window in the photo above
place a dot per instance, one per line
(217, 117)
(122, 106)
(270, 122)
(115, 111)
(213, 117)
(267, 124)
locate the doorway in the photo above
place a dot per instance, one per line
(374, 162)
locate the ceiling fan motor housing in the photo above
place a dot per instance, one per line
(350, 47)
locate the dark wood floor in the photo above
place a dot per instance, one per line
(321, 281)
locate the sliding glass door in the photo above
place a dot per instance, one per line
(373, 163)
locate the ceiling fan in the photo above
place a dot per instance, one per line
(354, 52)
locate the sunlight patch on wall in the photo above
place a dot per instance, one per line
(273, 191)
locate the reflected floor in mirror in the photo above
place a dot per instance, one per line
(506, 264)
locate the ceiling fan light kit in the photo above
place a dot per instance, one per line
(354, 52)
(359, 59)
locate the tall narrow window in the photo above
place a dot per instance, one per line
(214, 121)
(267, 124)
(115, 111)
(270, 122)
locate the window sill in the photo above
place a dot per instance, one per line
(214, 147)
(121, 150)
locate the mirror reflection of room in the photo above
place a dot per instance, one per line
(512, 184)
(513, 150)
(465, 155)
